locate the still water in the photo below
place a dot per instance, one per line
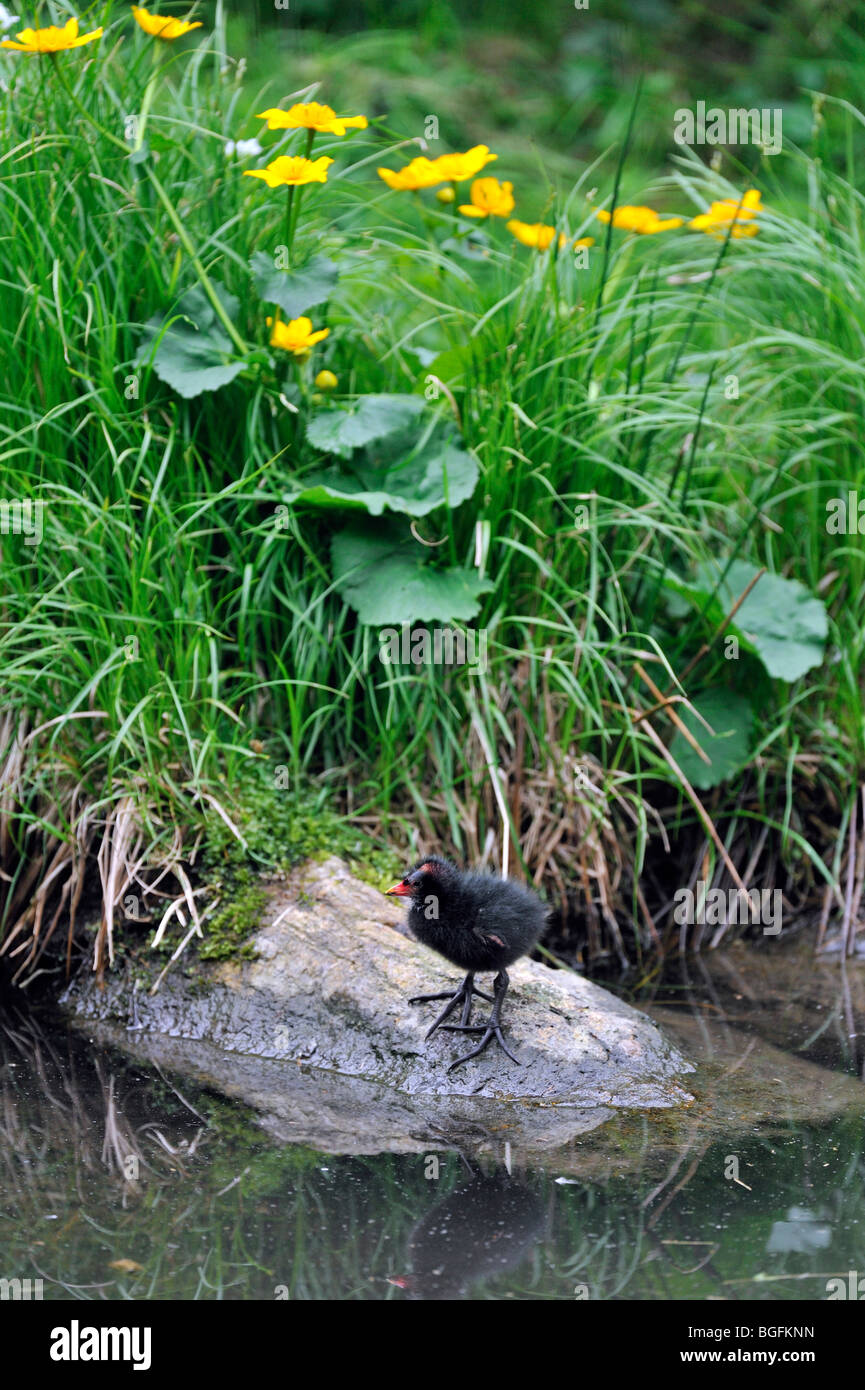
(121, 1181)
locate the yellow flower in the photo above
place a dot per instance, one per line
(446, 195)
(161, 26)
(489, 198)
(309, 115)
(326, 381)
(50, 40)
(538, 235)
(454, 167)
(420, 173)
(532, 233)
(295, 336)
(291, 170)
(639, 219)
(720, 215)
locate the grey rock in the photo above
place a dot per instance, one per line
(316, 1034)
(330, 984)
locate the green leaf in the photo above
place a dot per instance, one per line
(415, 485)
(729, 748)
(388, 580)
(780, 619)
(341, 431)
(294, 290)
(193, 353)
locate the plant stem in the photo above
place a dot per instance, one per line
(206, 283)
(294, 198)
(56, 69)
(288, 228)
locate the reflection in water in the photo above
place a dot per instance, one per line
(118, 1181)
(800, 1232)
(483, 1228)
(813, 1006)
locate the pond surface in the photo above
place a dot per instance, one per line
(122, 1181)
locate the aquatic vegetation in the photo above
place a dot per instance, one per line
(247, 432)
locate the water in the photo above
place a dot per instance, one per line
(120, 1181)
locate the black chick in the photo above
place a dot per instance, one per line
(479, 923)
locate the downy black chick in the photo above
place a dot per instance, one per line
(477, 922)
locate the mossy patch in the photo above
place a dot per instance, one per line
(227, 930)
(281, 828)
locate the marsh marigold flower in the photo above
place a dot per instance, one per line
(295, 336)
(50, 40)
(453, 168)
(291, 170)
(489, 198)
(161, 26)
(420, 173)
(534, 234)
(720, 215)
(309, 115)
(639, 219)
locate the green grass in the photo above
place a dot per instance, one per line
(179, 621)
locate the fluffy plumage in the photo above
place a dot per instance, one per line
(479, 923)
(474, 920)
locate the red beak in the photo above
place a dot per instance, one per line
(399, 890)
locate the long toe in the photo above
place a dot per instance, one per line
(454, 1001)
(503, 1045)
(490, 1032)
(427, 998)
(484, 1042)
